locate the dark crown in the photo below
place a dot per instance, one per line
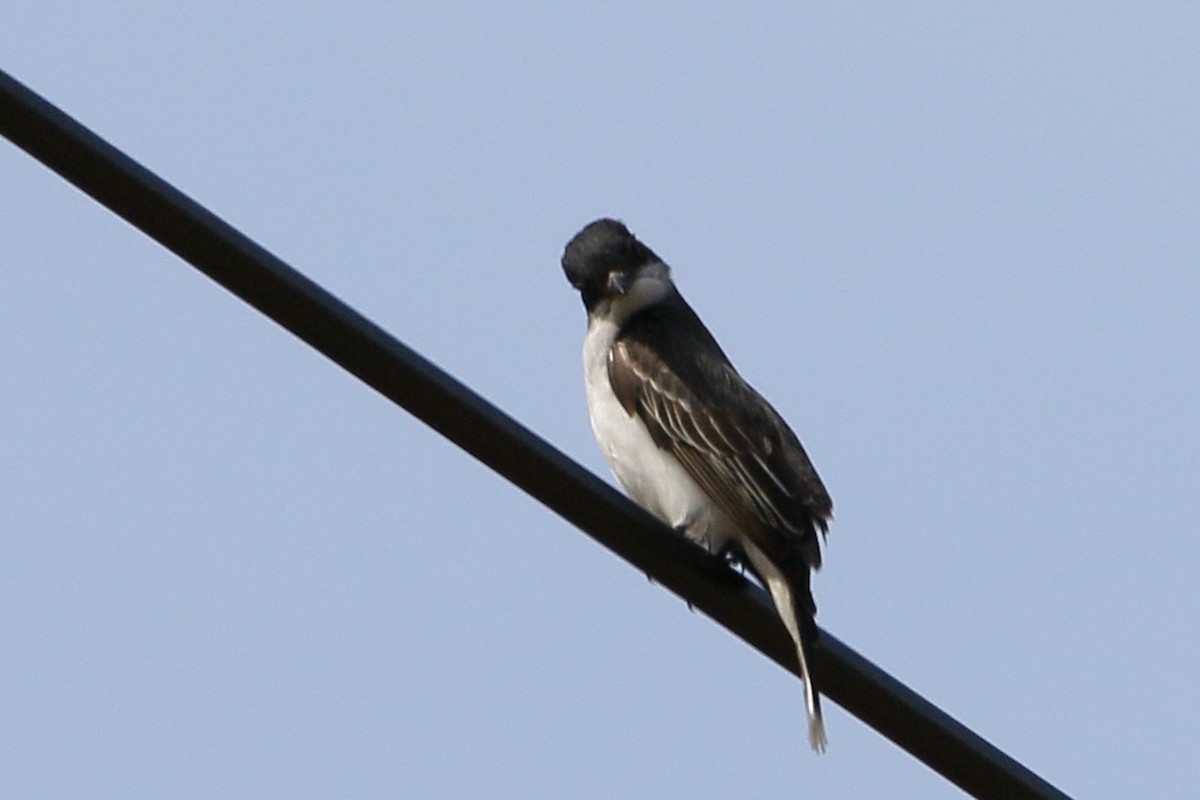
(602, 247)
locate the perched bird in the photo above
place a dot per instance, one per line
(689, 439)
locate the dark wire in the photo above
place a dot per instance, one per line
(433, 396)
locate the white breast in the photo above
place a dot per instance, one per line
(652, 477)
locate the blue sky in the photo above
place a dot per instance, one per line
(956, 245)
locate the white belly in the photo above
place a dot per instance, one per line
(652, 477)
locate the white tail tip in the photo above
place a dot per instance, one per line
(816, 735)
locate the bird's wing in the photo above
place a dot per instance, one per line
(729, 439)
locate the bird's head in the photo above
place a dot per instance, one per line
(615, 274)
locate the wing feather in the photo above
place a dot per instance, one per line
(733, 444)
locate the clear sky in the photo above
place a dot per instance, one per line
(957, 246)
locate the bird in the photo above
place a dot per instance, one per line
(690, 440)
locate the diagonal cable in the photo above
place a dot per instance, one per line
(404, 376)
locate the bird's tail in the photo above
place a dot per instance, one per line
(794, 603)
(806, 642)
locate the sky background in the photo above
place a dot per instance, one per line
(955, 244)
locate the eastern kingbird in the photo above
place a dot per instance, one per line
(689, 439)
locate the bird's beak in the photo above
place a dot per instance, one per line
(619, 282)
